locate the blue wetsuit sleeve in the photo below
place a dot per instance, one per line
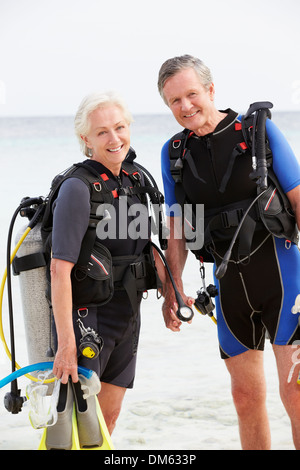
(172, 208)
(285, 163)
(71, 213)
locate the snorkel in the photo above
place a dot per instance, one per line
(184, 312)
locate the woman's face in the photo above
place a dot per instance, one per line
(191, 104)
(108, 137)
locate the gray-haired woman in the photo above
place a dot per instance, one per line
(102, 125)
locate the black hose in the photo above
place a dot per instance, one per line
(222, 268)
(179, 299)
(9, 295)
(13, 402)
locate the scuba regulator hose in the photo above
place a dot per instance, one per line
(184, 313)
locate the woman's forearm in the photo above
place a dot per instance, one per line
(65, 363)
(61, 294)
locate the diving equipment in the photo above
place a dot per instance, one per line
(42, 404)
(184, 312)
(30, 266)
(203, 302)
(106, 443)
(60, 435)
(89, 429)
(37, 368)
(33, 258)
(13, 401)
(269, 208)
(221, 270)
(91, 343)
(80, 424)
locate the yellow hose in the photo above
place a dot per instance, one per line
(1, 301)
(211, 316)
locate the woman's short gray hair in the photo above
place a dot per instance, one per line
(172, 66)
(89, 104)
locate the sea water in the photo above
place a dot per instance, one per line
(181, 398)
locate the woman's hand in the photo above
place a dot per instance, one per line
(65, 363)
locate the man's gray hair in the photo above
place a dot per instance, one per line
(172, 66)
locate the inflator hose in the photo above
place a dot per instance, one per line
(222, 268)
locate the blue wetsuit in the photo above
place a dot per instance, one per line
(254, 296)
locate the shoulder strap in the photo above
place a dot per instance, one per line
(95, 181)
(177, 146)
(55, 185)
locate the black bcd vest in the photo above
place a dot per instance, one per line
(272, 208)
(97, 275)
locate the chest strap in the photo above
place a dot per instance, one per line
(224, 219)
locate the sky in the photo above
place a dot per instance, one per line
(53, 53)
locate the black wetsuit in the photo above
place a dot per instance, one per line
(115, 322)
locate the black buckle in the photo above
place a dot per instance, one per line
(127, 191)
(231, 218)
(138, 269)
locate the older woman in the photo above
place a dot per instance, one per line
(102, 125)
(257, 292)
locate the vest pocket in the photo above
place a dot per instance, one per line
(277, 214)
(93, 284)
